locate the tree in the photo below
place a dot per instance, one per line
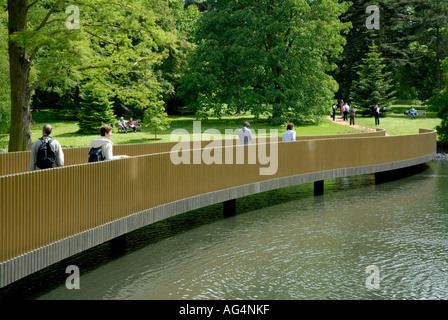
(374, 84)
(439, 102)
(156, 119)
(118, 45)
(412, 39)
(265, 56)
(358, 40)
(96, 109)
(5, 95)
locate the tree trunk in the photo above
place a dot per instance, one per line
(19, 67)
(438, 79)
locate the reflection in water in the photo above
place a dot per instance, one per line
(308, 248)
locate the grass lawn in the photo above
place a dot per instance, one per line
(396, 123)
(67, 131)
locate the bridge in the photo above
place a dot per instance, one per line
(49, 215)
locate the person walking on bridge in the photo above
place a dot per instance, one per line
(46, 152)
(289, 134)
(245, 134)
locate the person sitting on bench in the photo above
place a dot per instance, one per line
(122, 124)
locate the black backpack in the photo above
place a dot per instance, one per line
(46, 157)
(96, 154)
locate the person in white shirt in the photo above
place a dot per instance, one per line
(346, 110)
(289, 134)
(105, 144)
(376, 112)
(245, 134)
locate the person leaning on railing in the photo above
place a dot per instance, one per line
(106, 145)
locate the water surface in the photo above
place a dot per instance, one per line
(308, 248)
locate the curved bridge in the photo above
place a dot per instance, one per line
(49, 215)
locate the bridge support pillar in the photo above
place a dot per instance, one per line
(318, 187)
(391, 175)
(118, 244)
(229, 208)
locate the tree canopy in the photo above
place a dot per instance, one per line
(288, 59)
(122, 47)
(266, 57)
(373, 85)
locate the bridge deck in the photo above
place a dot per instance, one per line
(49, 215)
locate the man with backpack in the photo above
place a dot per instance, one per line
(46, 152)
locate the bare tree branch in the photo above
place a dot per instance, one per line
(32, 4)
(105, 40)
(39, 82)
(104, 83)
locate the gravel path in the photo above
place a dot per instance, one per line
(339, 120)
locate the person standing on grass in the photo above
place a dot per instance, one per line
(346, 109)
(376, 113)
(46, 152)
(352, 115)
(334, 111)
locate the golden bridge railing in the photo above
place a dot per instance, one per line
(17, 162)
(44, 207)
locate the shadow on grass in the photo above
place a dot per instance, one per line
(138, 141)
(72, 135)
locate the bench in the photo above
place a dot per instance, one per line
(417, 113)
(138, 126)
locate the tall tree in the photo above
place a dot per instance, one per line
(439, 102)
(19, 67)
(118, 45)
(358, 39)
(412, 38)
(4, 72)
(96, 109)
(374, 84)
(266, 56)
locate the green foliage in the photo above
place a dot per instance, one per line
(413, 39)
(374, 84)
(439, 102)
(266, 57)
(5, 97)
(96, 109)
(131, 49)
(156, 119)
